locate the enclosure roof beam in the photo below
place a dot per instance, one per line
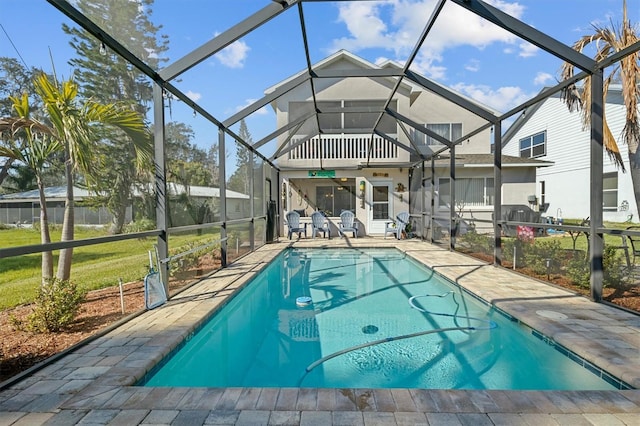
(396, 142)
(265, 100)
(418, 127)
(528, 33)
(362, 72)
(283, 129)
(282, 150)
(225, 39)
(450, 95)
(427, 28)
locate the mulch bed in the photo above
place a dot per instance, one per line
(20, 350)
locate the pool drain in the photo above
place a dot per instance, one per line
(369, 329)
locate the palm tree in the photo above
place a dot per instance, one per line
(627, 72)
(30, 142)
(77, 129)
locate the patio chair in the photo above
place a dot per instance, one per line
(397, 226)
(348, 223)
(293, 222)
(319, 223)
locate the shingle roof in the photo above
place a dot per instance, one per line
(486, 160)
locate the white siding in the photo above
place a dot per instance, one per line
(567, 186)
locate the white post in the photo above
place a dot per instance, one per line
(121, 296)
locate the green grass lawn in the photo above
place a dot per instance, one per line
(94, 267)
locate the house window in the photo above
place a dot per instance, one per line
(358, 116)
(366, 120)
(470, 192)
(610, 191)
(534, 146)
(450, 131)
(332, 200)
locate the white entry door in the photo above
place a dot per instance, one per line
(381, 202)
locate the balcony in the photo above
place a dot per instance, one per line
(345, 149)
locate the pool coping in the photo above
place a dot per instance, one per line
(98, 378)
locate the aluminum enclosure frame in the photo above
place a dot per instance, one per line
(162, 80)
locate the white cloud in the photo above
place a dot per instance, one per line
(527, 50)
(501, 99)
(194, 96)
(542, 78)
(234, 55)
(473, 65)
(396, 24)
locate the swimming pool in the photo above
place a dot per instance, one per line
(377, 319)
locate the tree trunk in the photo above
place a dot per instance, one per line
(119, 215)
(64, 261)
(4, 170)
(45, 237)
(634, 166)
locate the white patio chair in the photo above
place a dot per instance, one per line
(397, 226)
(319, 223)
(293, 222)
(348, 223)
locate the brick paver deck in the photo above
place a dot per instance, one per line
(94, 384)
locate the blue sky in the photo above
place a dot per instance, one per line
(462, 52)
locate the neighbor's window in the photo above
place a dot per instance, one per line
(470, 192)
(610, 191)
(534, 146)
(332, 200)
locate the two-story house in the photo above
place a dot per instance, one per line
(549, 131)
(331, 161)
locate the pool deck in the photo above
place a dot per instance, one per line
(93, 385)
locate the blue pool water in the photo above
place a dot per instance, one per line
(411, 327)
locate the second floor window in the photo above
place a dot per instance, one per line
(349, 116)
(534, 146)
(450, 131)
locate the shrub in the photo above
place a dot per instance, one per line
(478, 243)
(536, 254)
(139, 225)
(55, 307)
(187, 261)
(613, 275)
(578, 270)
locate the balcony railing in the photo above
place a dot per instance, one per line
(344, 147)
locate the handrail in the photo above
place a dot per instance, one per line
(38, 248)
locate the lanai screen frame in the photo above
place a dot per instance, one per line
(162, 86)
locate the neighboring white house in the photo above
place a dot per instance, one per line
(343, 167)
(548, 131)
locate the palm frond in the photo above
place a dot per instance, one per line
(606, 42)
